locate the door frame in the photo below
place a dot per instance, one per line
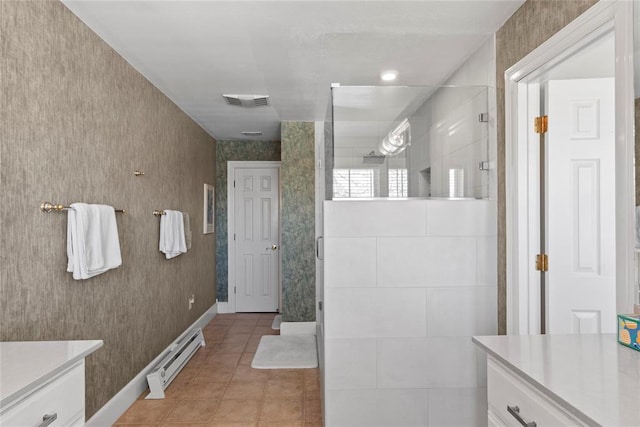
(232, 166)
(615, 15)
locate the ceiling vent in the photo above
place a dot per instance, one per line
(247, 101)
(251, 133)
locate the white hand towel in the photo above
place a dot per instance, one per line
(172, 241)
(92, 240)
(187, 229)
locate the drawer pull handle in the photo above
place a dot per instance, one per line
(515, 411)
(48, 419)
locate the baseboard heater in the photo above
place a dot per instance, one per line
(165, 371)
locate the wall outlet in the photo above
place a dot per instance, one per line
(192, 300)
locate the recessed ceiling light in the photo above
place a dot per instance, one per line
(388, 75)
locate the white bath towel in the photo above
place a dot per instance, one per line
(92, 240)
(187, 229)
(172, 241)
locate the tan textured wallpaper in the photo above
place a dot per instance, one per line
(533, 24)
(76, 122)
(637, 150)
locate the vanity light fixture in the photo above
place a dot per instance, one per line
(397, 140)
(389, 75)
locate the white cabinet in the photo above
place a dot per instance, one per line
(57, 402)
(514, 402)
(561, 380)
(42, 382)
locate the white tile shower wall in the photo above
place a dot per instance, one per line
(456, 139)
(352, 364)
(487, 250)
(403, 363)
(379, 312)
(367, 408)
(426, 261)
(457, 407)
(360, 218)
(353, 263)
(460, 218)
(407, 283)
(445, 131)
(478, 317)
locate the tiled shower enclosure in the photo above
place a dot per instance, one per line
(407, 283)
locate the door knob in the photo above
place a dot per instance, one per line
(273, 247)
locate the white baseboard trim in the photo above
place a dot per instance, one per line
(224, 307)
(114, 408)
(298, 328)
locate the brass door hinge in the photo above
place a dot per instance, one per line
(542, 124)
(542, 262)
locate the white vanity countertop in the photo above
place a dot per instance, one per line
(25, 365)
(591, 376)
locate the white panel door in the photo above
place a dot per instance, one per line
(581, 286)
(257, 239)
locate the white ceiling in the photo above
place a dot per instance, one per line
(195, 51)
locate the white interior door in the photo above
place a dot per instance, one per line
(257, 239)
(580, 233)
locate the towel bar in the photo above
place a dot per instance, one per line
(50, 207)
(159, 213)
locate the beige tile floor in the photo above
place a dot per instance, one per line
(218, 387)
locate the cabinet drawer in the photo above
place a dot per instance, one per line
(506, 389)
(63, 395)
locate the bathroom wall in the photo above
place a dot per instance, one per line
(448, 136)
(534, 23)
(407, 283)
(77, 121)
(297, 178)
(233, 151)
(480, 70)
(637, 148)
(447, 133)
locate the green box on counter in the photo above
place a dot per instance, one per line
(628, 327)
